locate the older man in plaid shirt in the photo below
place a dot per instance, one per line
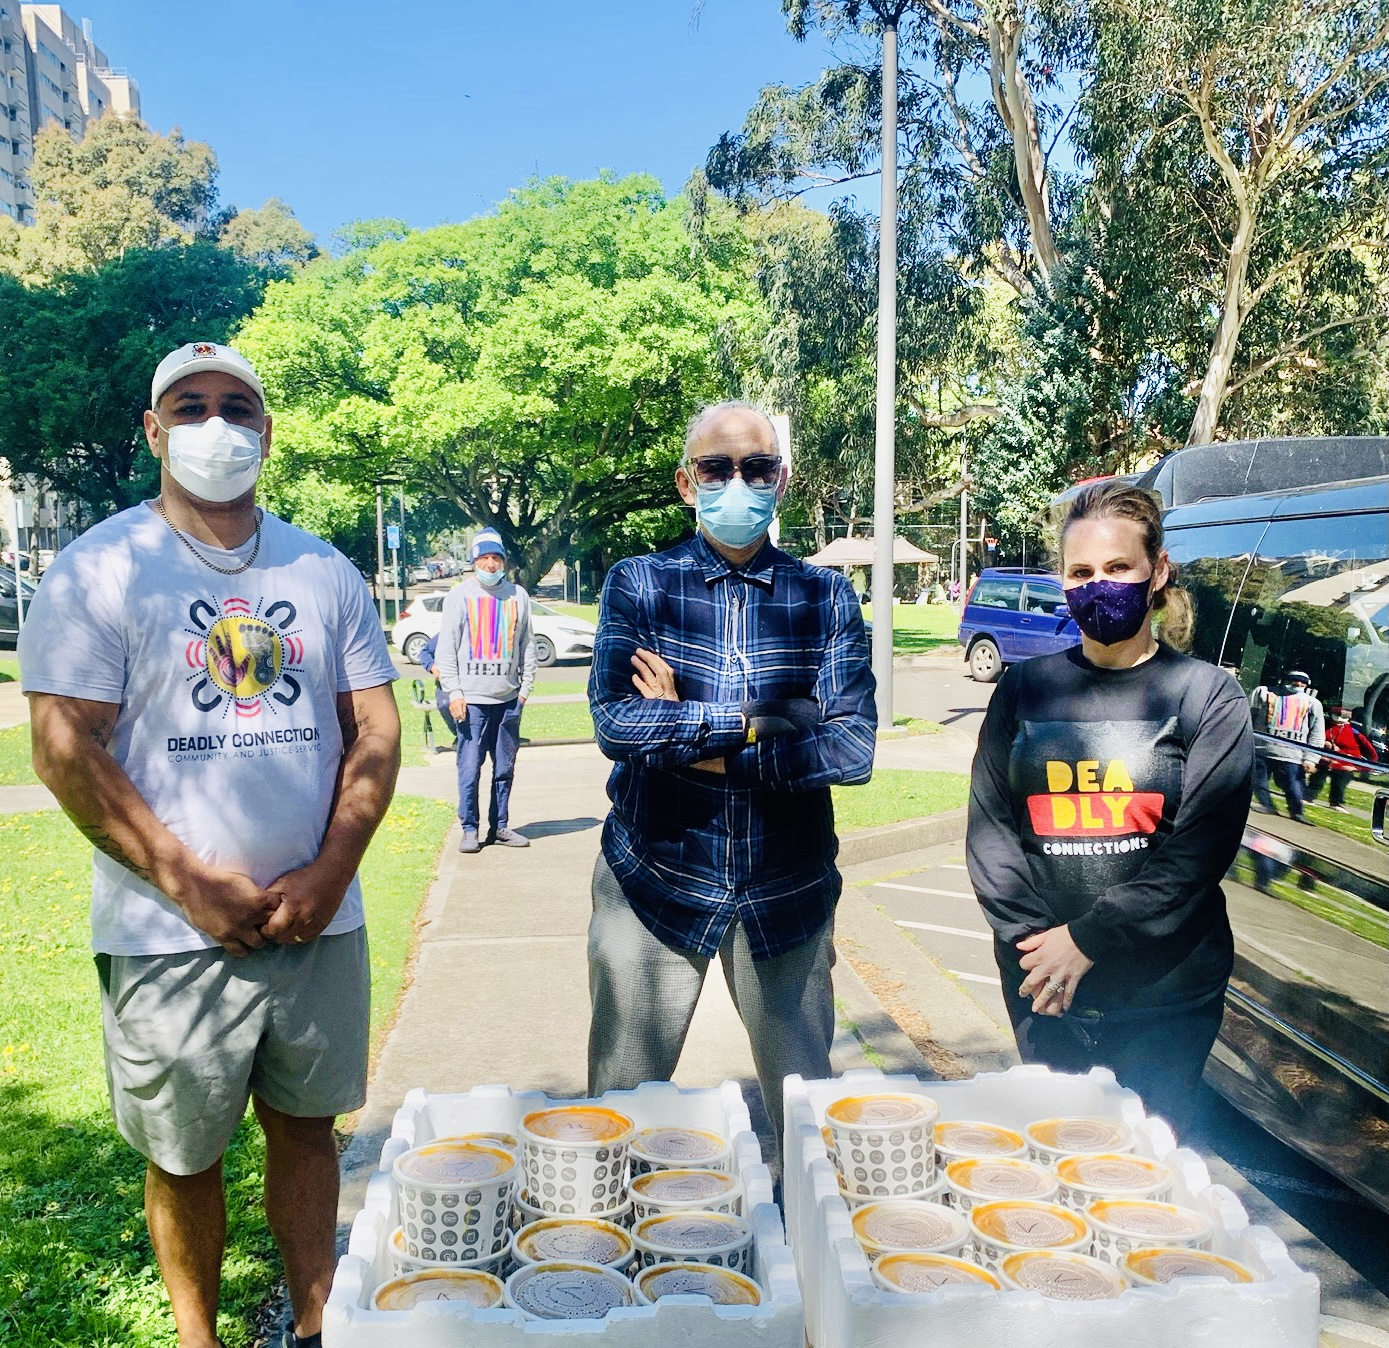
(731, 685)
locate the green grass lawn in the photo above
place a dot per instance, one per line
(896, 794)
(16, 766)
(75, 1262)
(919, 628)
(9, 669)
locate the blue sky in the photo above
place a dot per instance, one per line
(431, 110)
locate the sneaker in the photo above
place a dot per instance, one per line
(293, 1340)
(469, 842)
(509, 838)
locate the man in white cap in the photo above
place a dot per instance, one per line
(229, 743)
(486, 658)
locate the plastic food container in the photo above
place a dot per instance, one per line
(896, 1225)
(1048, 1140)
(575, 1158)
(1123, 1224)
(563, 1289)
(958, 1138)
(712, 1238)
(975, 1179)
(1111, 1175)
(916, 1272)
(1155, 1266)
(685, 1191)
(678, 1149)
(722, 1286)
(585, 1240)
(524, 1212)
(402, 1261)
(1061, 1276)
(885, 1144)
(1010, 1226)
(480, 1290)
(455, 1197)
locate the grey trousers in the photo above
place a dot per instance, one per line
(644, 993)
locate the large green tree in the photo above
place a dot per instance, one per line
(534, 366)
(270, 237)
(76, 358)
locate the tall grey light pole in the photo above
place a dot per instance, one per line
(380, 586)
(885, 446)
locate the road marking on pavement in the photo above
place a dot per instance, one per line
(922, 889)
(947, 931)
(978, 978)
(951, 866)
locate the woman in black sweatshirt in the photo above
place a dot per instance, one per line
(1110, 790)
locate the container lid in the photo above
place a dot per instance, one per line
(977, 1139)
(692, 1230)
(561, 1290)
(689, 1146)
(881, 1111)
(506, 1141)
(586, 1239)
(722, 1286)
(684, 1186)
(1061, 1276)
(1076, 1136)
(1165, 1265)
(477, 1289)
(914, 1272)
(1112, 1173)
(578, 1123)
(1035, 1225)
(1138, 1218)
(909, 1225)
(454, 1163)
(1000, 1178)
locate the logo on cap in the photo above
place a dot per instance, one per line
(204, 349)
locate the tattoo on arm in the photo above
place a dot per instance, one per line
(349, 722)
(100, 731)
(104, 842)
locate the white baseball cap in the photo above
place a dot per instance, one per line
(197, 356)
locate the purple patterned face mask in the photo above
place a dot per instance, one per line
(1110, 611)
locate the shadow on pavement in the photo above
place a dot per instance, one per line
(549, 828)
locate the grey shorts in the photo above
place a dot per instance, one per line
(190, 1037)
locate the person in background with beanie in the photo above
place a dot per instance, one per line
(486, 660)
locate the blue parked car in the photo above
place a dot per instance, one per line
(1012, 614)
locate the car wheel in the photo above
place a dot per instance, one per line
(985, 664)
(545, 651)
(413, 645)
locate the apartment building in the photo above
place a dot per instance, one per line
(51, 71)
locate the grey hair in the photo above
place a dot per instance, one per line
(709, 411)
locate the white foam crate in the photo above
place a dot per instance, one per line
(844, 1306)
(674, 1322)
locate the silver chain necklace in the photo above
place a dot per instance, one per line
(183, 538)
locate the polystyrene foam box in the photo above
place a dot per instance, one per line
(674, 1322)
(844, 1306)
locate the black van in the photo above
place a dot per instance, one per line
(1284, 546)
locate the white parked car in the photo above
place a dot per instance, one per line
(558, 636)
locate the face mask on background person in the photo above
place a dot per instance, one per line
(490, 578)
(734, 514)
(1110, 611)
(214, 459)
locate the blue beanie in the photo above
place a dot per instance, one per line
(487, 540)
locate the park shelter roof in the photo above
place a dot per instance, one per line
(859, 552)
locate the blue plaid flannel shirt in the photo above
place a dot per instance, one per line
(691, 849)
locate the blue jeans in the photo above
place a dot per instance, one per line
(488, 729)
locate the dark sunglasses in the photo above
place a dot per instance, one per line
(762, 472)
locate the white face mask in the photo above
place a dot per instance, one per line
(214, 460)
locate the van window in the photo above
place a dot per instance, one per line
(997, 594)
(1316, 600)
(1042, 598)
(1212, 561)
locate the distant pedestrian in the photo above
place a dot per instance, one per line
(486, 660)
(731, 686)
(228, 742)
(1344, 739)
(1109, 794)
(429, 662)
(1288, 722)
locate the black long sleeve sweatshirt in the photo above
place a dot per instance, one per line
(1114, 800)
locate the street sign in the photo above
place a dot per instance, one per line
(393, 536)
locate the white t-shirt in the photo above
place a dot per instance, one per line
(227, 688)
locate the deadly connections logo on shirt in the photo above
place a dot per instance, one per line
(243, 659)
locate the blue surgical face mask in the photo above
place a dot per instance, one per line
(490, 577)
(735, 515)
(1110, 611)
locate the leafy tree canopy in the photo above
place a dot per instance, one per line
(535, 366)
(270, 238)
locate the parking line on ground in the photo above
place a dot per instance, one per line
(946, 931)
(978, 978)
(922, 889)
(952, 866)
